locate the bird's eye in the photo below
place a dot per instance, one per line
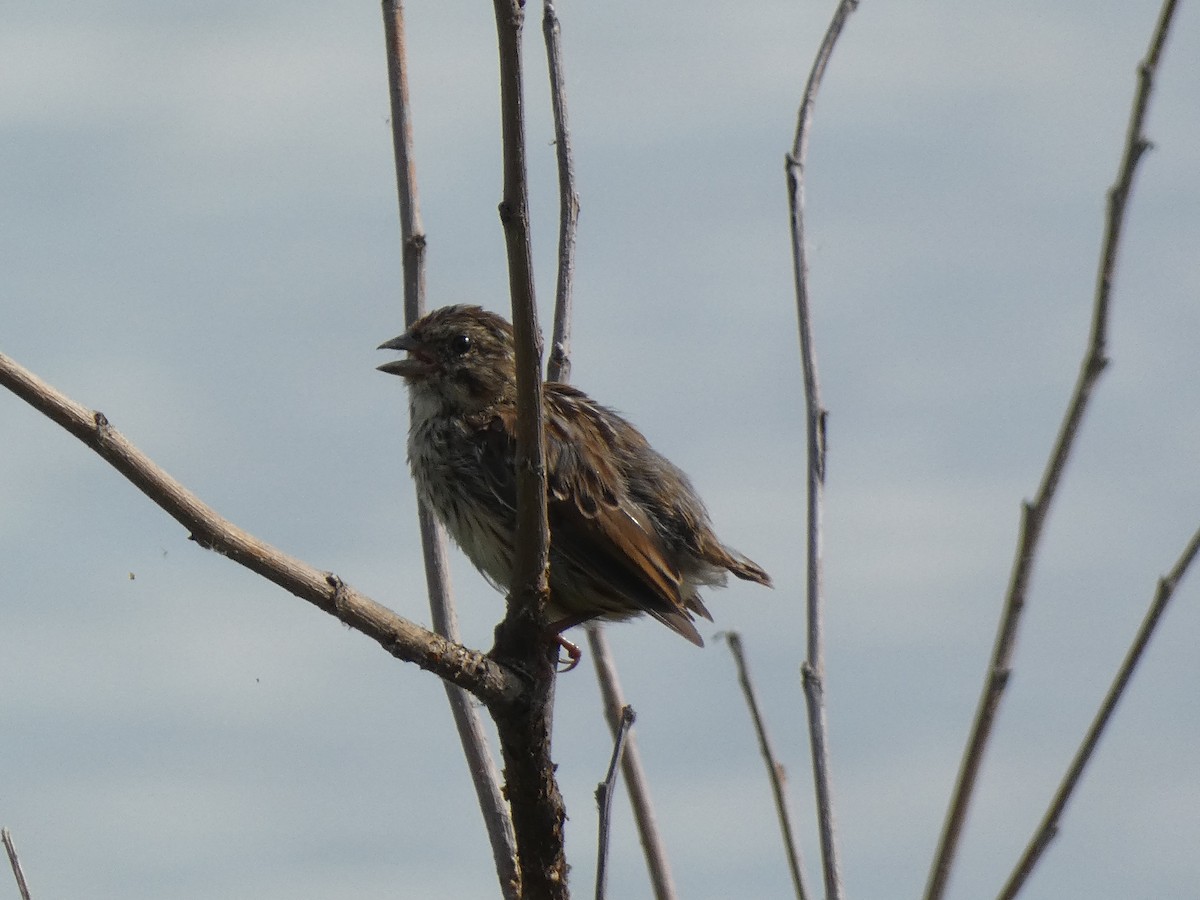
(460, 344)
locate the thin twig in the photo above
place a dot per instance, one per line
(604, 793)
(13, 861)
(532, 791)
(473, 671)
(1033, 514)
(1048, 828)
(813, 669)
(467, 721)
(636, 783)
(558, 367)
(530, 562)
(412, 234)
(775, 772)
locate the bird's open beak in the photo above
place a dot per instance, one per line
(416, 365)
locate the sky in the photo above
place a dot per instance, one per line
(199, 235)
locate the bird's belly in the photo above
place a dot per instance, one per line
(473, 517)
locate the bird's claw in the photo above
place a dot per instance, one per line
(574, 654)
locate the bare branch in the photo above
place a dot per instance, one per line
(18, 873)
(1048, 828)
(559, 365)
(412, 234)
(813, 669)
(636, 783)
(530, 564)
(558, 368)
(775, 772)
(532, 791)
(467, 721)
(491, 683)
(604, 793)
(1033, 514)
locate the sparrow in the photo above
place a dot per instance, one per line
(628, 532)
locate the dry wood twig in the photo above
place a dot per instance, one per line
(559, 365)
(467, 721)
(558, 368)
(537, 805)
(492, 683)
(813, 669)
(604, 794)
(636, 783)
(15, 863)
(775, 772)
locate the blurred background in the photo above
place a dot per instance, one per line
(199, 236)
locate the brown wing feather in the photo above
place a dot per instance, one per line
(598, 528)
(628, 573)
(606, 558)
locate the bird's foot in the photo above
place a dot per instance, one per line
(574, 654)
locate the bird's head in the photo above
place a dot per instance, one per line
(460, 356)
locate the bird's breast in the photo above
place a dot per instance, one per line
(450, 480)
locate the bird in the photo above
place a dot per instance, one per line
(629, 535)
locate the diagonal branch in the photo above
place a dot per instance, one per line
(15, 863)
(775, 772)
(490, 682)
(813, 669)
(1048, 828)
(1033, 514)
(467, 720)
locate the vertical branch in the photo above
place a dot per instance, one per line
(813, 669)
(775, 773)
(1033, 514)
(1048, 827)
(558, 368)
(530, 564)
(559, 365)
(480, 765)
(525, 728)
(412, 234)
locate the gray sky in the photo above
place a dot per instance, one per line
(199, 237)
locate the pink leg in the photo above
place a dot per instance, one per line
(574, 654)
(554, 632)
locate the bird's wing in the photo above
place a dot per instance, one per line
(604, 542)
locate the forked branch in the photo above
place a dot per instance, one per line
(636, 783)
(1034, 513)
(604, 795)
